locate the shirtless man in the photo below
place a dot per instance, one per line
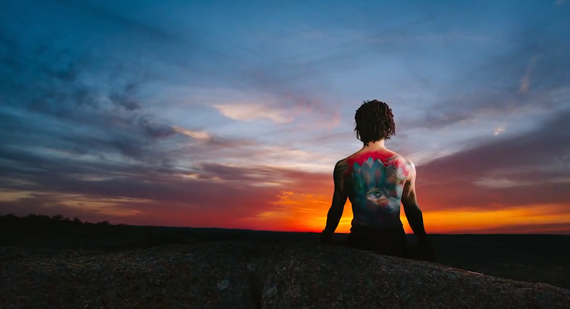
(376, 180)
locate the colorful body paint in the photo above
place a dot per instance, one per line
(374, 182)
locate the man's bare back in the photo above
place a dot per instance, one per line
(376, 180)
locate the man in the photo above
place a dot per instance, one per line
(376, 179)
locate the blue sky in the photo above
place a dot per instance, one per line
(148, 111)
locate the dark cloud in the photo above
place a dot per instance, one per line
(207, 191)
(96, 11)
(50, 205)
(541, 147)
(83, 164)
(535, 166)
(50, 100)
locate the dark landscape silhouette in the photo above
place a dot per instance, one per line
(532, 257)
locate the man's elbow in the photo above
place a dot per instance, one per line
(411, 207)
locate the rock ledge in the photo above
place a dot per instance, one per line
(248, 275)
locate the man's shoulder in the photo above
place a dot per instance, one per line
(404, 168)
(341, 164)
(396, 157)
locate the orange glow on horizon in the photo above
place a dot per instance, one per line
(308, 213)
(299, 211)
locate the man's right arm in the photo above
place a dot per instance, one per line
(414, 213)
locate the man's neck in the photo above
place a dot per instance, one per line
(377, 145)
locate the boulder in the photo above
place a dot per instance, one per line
(243, 274)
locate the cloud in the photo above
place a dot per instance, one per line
(527, 67)
(194, 134)
(251, 112)
(527, 168)
(500, 129)
(100, 12)
(525, 81)
(57, 100)
(136, 193)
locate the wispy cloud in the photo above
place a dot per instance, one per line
(199, 135)
(251, 112)
(500, 129)
(525, 81)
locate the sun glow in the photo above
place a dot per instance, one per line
(308, 213)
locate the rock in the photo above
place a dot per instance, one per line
(250, 275)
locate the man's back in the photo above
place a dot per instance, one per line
(374, 182)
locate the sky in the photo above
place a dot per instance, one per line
(232, 114)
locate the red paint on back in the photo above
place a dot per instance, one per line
(360, 158)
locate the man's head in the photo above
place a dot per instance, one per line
(374, 121)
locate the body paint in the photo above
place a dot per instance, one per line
(374, 182)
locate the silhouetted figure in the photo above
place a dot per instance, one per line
(376, 180)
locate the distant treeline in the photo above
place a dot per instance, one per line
(32, 222)
(59, 232)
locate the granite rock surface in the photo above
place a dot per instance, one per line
(239, 274)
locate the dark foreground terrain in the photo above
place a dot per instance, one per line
(243, 274)
(56, 263)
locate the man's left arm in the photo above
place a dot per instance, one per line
(339, 199)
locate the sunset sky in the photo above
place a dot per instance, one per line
(233, 113)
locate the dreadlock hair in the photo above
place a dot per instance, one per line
(374, 121)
